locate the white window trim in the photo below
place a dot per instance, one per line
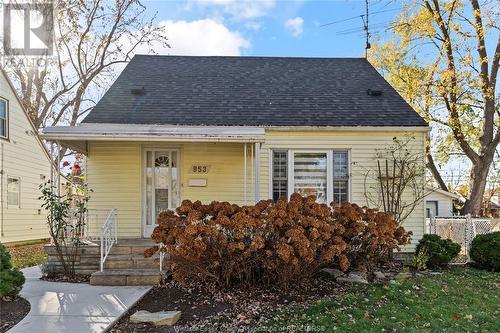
(271, 169)
(349, 173)
(329, 175)
(18, 192)
(6, 136)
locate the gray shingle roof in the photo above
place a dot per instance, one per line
(252, 91)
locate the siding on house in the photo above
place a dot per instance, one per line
(444, 203)
(115, 170)
(23, 158)
(115, 176)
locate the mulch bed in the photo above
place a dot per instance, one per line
(206, 307)
(12, 311)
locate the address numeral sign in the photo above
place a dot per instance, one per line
(200, 168)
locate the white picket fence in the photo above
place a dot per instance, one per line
(461, 230)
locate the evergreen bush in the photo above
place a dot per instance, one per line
(11, 280)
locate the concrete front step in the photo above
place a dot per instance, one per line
(127, 277)
(131, 261)
(133, 246)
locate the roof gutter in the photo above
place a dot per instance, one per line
(156, 138)
(116, 132)
(352, 128)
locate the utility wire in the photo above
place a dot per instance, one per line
(358, 16)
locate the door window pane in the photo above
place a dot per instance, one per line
(162, 181)
(280, 177)
(149, 187)
(162, 184)
(175, 180)
(310, 175)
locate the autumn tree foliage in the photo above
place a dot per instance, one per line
(91, 39)
(272, 242)
(443, 58)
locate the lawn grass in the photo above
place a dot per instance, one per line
(460, 300)
(27, 255)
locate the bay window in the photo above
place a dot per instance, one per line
(324, 174)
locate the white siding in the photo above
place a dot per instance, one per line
(444, 203)
(115, 176)
(23, 158)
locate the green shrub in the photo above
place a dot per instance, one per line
(439, 251)
(11, 280)
(485, 251)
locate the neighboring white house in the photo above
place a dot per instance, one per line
(439, 202)
(24, 165)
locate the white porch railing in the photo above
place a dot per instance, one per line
(109, 236)
(78, 226)
(162, 255)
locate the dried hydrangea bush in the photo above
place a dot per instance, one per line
(273, 242)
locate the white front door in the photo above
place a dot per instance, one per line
(161, 190)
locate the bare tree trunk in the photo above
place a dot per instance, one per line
(432, 167)
(479, 176)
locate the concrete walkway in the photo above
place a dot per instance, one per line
(73, 307)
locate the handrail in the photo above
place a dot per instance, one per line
(109, 236)
(162, 255)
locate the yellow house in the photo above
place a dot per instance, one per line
(237, 129)
(24, 165)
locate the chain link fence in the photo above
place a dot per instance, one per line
(461, 230)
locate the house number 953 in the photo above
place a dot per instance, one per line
(200, 168)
